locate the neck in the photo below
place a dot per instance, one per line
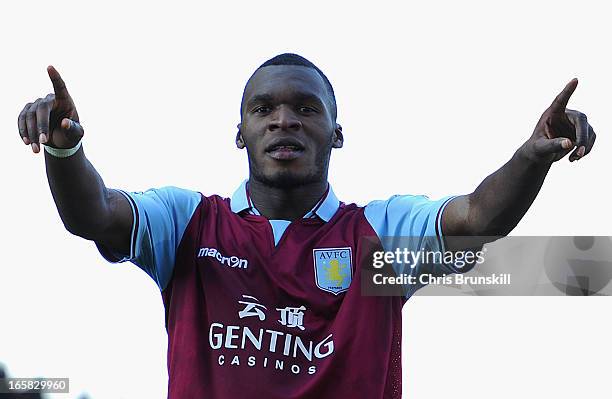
(285, 204)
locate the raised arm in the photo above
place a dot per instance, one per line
(86, 206)
(502, 199)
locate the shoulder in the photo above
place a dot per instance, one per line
(170, 194)
(405, 214)
(398, 201)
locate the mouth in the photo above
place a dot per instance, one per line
(285, 149)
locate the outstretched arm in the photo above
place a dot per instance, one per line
(86, 206)
(502, 199)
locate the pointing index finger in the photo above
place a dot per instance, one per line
(560, 102)
(59, 87)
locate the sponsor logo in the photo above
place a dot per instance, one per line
(268, 348)
(333, 270)
(230, 261)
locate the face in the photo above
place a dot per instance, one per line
(287, 126)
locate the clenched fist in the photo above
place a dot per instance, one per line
(52, 120)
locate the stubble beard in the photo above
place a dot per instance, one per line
(287, 179)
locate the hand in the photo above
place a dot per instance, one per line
(559, 130)
(52, 120)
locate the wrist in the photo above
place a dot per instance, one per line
(526, 154)
(63, 152)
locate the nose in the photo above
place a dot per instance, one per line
(284, 119)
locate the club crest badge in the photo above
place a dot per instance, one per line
(333, 269)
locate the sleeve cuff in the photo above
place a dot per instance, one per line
(440, 235)
(116, 257)
(439, 232)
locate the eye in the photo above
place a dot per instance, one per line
(261, 110)
(307, 110)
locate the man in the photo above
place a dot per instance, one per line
(262, 290)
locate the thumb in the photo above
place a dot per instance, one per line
(545, 146)
(74, 131)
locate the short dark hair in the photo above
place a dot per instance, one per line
(295, 59)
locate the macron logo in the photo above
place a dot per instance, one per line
(231, 261)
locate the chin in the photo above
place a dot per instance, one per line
(286, 179)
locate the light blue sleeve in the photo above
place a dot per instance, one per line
(161, 216)
(413, 222)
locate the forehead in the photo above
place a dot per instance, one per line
(279, 80)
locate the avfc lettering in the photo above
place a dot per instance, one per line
(334, 254)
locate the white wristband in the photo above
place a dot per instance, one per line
(63, 152)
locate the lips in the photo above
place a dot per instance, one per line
(285, 149)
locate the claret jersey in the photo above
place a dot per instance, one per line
(272, 308)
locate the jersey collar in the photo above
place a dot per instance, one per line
(325, 209)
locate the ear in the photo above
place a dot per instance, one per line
(239, 140)
(338, 138)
